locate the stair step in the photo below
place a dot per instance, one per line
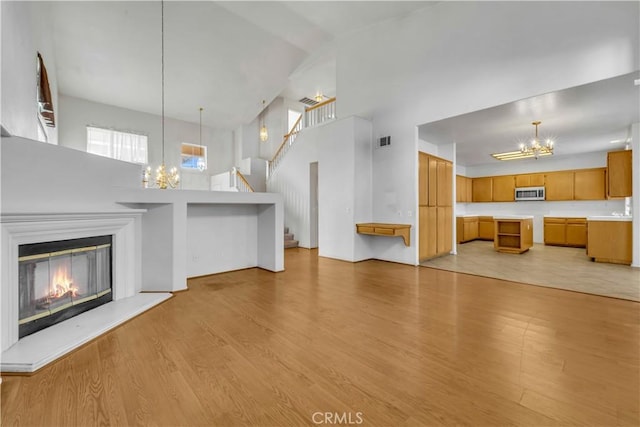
(288, 236)
(290, 244)
(286, 230)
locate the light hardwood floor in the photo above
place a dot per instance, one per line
(401, 345)
(552, 266)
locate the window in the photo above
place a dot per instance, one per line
(193, 156)
(293, 117)
(129, 147)
(45, 101)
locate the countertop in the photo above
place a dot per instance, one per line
(499, 217)
(610, 218)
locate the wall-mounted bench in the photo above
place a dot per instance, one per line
(381, 229)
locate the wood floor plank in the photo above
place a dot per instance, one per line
(399, 345)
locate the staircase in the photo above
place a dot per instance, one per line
(313, 116)
(288, 239)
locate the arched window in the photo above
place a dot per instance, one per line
(45, 101)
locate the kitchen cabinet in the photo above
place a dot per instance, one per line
(619, 173)
(577, 232)
(435, 182)
(560, 231)
(513, 235)
(559, 185)
(445, 183)
(466, 228)
(589, 184)
(485, 228)
(530, 180)
(555, 231)
(444, 218)
(503, 188)
(609, 241)
(463, 189)
(482, 189)
(423, 179)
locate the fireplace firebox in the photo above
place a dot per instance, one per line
(61, 279)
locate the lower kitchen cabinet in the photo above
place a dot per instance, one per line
(435, 231)
(560, 231)
(609, 241)
(466, 228)
(485, 228)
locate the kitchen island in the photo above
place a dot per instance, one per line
(513, 233)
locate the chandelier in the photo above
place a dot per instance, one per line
(163, 178)
(201, 165)
(264, 133)
(537, 148)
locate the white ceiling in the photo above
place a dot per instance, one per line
(223, 56)
(581, 119)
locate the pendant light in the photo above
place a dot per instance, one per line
(202, 164)
(264, 133)
(163, 178)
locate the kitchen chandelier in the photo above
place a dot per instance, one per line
(535, 149)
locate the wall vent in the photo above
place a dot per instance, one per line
(308, 101)
(384, 141)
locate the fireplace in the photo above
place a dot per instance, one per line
(61, 279)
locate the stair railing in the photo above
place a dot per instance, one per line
(241, 182)
(320, 113)
(284, 147)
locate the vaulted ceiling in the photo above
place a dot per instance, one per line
(223, 56)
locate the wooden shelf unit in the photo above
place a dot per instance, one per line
(513, 235)
(382, 229)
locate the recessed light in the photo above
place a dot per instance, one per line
(636, 82)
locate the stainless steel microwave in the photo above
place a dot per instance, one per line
(529, 193)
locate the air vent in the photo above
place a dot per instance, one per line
(384, 141)
(308, 101)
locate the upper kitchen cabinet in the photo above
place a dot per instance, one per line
(589, 184)
(445, 183)
(482, 189)
(423, 179)
(530, 180)
(463, 189)
(504, 188)
(559, 185)
(619, 173)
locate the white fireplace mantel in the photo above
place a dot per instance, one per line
(25, 228)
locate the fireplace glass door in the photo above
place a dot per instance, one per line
(61, 279)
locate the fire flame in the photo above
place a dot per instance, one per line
(62, 284)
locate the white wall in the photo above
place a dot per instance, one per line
(26, 30)
(291, 180)
(344, 189)
(39, 177)
(544, 164)
(76, 114)
(470, 56)
(342, 149)
(211, 229)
